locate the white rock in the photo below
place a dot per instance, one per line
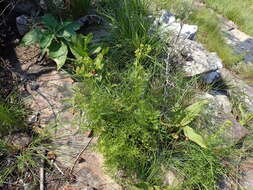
(167, 24)
(167, 18)
(183, 30)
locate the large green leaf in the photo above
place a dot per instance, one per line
(69, 30)
(193, 136)
(50, 22)
(46, 41)
(192, 111)
(58, 52)
(31, 37)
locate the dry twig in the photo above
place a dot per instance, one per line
(78, 156)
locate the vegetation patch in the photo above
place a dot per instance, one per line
(240, 12)
(209, 31)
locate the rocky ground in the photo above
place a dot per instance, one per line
(48, 94)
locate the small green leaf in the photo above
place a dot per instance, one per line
(31, 37)
(50, 22)
(58, 52)
(193, 136)
(79, 45)
(192, 111)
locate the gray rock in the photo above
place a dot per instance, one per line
(172, 179)
(223, 101)
(195, 59)
(22, 23)
(220, 121)
(167, 24)
(183, 30)
(211, 77)
(239, 88)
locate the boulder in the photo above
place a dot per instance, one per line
(195, 59)
(219, 121)
(167, 24)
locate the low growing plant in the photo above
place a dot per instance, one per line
(88, 61)
(53, 37)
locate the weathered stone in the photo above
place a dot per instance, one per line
(223, 101)
(171, 179)
(19, 140)
(22, 23)
(166, 18)
(194, 58)
(240, 88)
(221, 121)
(51, 104)
(167, 24)
(241, 43)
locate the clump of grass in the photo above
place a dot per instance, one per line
(12, 116)
(18, 161)
(133, 118)
(240, 12)
(130, 27)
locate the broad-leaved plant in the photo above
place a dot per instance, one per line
(53, 37)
